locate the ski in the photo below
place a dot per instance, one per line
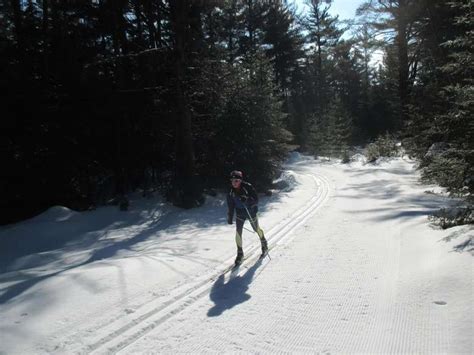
(236, 266)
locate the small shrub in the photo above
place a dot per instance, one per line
(384, 146)
(372, 153)
(124, 204)
(451, 217)
(345, 157)
(450, 170)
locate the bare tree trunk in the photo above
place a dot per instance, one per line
(250, 24)
(120, 25)
(120, 45)
(231, 36)
(403, 70)
(158, 34)
(17, 22)
(320, 74)
(45, 33)
(184, 191)
(45, 16)
(137, 8)
(149, 20)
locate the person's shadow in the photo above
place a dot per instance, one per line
(230, 294)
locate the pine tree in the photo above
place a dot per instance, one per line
(332, 131)
(185, 18)
(251, 131)
(283, 42)
(365, 45)
(395, 20)
(323, 35)
(441, 118)
(346, 78)
(253, 19)
(455, 168)
(388, 83)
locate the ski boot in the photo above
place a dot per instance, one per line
(240, 257)
(264, 247)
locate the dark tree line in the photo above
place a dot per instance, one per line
(101, 97)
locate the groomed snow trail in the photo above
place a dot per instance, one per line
(354, 268)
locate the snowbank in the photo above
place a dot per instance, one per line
(358, 160)
(286, 182)
(296, 157)
(54, 214)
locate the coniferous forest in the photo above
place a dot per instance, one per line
(100, 98)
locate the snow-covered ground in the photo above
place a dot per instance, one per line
(355, 268)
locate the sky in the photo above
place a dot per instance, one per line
(344, 8)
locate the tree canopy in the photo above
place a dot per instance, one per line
(101, 98)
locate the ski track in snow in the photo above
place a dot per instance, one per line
(290, 327)
(149, 316)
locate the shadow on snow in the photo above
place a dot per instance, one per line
(82, 235)
(232, 293)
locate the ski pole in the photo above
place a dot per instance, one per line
(249, 230)
(250, 217)
(243, 220)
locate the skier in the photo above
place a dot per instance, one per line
(243, 198)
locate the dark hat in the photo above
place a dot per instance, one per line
(236, 174)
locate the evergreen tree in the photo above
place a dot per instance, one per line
(283, 43)
(254, 13)
(251, 133)
(447, 109)
(332, 132)
(396, 19)
(365, 44)
(388, 82)
(323, 35)
(346, 78)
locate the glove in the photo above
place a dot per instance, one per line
(243, 199)
(229, 220)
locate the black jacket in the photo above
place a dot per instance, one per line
(239, 199)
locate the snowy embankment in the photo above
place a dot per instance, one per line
(355, 267)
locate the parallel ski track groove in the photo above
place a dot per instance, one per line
(280, 235)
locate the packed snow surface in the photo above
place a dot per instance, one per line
(354, 267)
